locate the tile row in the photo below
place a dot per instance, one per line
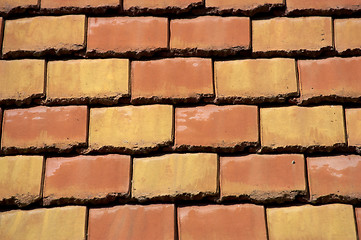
(167, 221)
(140, 129)
(124, 35)
(220, 5)
(258, 178)
(175, 80)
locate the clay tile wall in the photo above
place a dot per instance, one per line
(180, 119)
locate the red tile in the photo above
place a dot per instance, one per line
(127, 34)
(56, 4)
(86, 177)
(243, 221)
(358, 221)
(159, 4)
(216, 126)
(335, 176)
(133, 222)
(43, 127)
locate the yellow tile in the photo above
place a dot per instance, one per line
(347, 34)
(43, 224)
(93, 78)
(45, 32)
(7, 5)
(21, 79)
(131, 127)
(353, 123)
(287, 34)
(334, 221)
(20, 177)
(175, 174)
(255, 78)
(302, 126)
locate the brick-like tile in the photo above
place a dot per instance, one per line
(43, 224)
(216, 126)
(302, 127)
(133, 222)
(263, 177)
(358, 221)
(21, 79)
(127, 34)
(174, 78)
(329, 79)
(131, 127)
(8, 5)
(348, 33)
(211, 222)
(243, 5)
(334, 221)
(292, 34)
(106, 79)
(324, 5)
(20, 179)
(254, 79)
(175, 174)
(1, 32)
(45, 33)
(36, 128)
(56, 4)
(353, 126)
(210, 33)
(86, 177)
(335, 175)
(159, 4)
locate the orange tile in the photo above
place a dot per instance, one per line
(353, 125)
(292, 34)
(156, 4)
(133, 222)
(294, 5)
(53, 4)
(86, 177)
(243, 5)
(348, 33)
(331, 77)
(336, 175)
(210, 33)
(243, 221)
(263, 177)
(358, 221)
(38, 34)
(41, 127)
(216, 126)
(127, 34)
(7, 5)
(179, 78)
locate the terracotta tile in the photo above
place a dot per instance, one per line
(210, 33)
(156, 4)
(127, 34)
(21, 79)
(39, 34)
(44, 224)
(132, 128)
(20, 179)
(243, 5)
(86, 177)
(2, 23)
(255, 78)
(335, 175)
(302, 127)
(348, 33)
(177, 78)
(353, 124)
(90, 78)
(41, 127)
(294, 5)
(7, 5)
(175, 174)
(358, 220)
(292, 34)
(243, 221)
(263, 177)
(133, 222)
(333, 221)
(216, 126)
(329, 78)
(54, 4)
